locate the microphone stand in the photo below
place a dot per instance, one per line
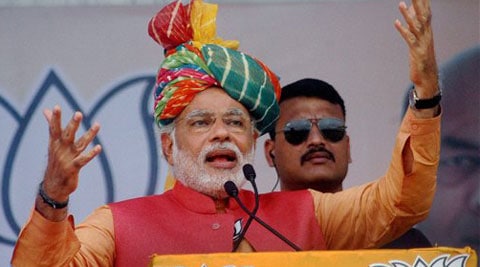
(250, 175)
(232, 191)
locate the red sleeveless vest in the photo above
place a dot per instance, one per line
(183, 221)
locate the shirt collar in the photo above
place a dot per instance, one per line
(201, 203)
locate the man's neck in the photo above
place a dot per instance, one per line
(324, 188)
(221, 204)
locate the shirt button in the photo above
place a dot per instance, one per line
(215, 226)
(414, 126)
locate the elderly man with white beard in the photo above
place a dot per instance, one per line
(213, 153)
(211, 104)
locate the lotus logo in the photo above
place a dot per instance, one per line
(129, 165)
(441, 261)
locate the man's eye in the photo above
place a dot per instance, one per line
(200, 122)
(234, 122)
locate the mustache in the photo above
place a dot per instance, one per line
(316, 149)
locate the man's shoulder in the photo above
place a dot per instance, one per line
(291, 196)
(143, 200)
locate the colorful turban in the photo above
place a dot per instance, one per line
(195, 60)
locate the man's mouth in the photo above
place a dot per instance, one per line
(318, 155)
(222, 159)
(315, 155)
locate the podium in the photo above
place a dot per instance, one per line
(424, 257)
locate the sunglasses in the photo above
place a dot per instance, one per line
(297, 131)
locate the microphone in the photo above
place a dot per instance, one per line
(250, 174)
(232, 191)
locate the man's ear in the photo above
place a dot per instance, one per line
(269, 149)
(167, 147)
(255, 138)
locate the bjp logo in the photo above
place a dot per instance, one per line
(129, 165)
(445, 260)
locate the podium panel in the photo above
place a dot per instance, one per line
(425, 257)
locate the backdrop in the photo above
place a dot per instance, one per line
(101, 61)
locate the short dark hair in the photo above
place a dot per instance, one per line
(309, 87)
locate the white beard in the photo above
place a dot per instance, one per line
(192, 173)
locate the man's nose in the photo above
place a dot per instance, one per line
(219, 131)
(315, 136)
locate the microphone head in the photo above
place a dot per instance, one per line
(249, 172)
(231, 188)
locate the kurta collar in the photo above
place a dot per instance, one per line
(201, 203)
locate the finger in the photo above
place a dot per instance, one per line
(408, 15)
(422, 9)
(421, 16)
(87, 138)
(68, 135)
(404, 10)
(48, 115)
(413, 29)
(405, 33)
(85, 158)
(54, 118)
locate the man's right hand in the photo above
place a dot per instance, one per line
(66, 156)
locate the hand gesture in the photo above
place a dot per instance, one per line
(66, 156)
(418, 35)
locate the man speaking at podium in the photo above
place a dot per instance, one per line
(211, 104)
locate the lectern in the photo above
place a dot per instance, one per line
(424, 257)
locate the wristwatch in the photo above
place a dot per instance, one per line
(418, 103)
